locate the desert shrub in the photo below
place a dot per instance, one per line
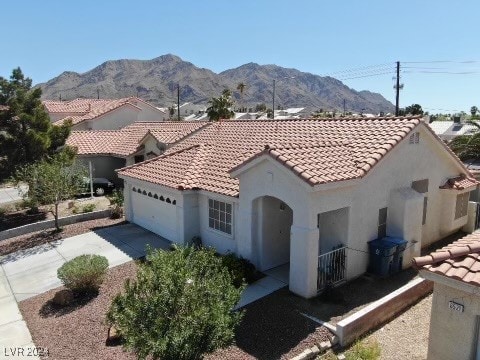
(116, 200)
(88, 208)
(241, 270)
(83, 274)
(3, 211)
(179, 306)
(364, 350)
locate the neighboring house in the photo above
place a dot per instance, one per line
(109, 150)
(455, 315)
(448, 130)
(292, 191)
(102, 114)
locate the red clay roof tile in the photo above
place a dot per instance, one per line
(125, 141)
(318, 151)
(462, 262)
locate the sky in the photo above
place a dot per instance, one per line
(358, 42)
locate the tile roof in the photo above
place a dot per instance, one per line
(319, 151)
(125, 141)
(460, 183)
(459, 260)
(79, 110)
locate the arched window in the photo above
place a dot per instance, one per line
(134, 189)
(144, 192)
(174, 202)
(162, 198)
(169, 201)
(139, 191)
(155, 196)
(149, 194)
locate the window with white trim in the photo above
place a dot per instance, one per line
(220, 216)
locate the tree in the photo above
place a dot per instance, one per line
(220, 107)
(260, 107)
(473, 111)
(26, 132)
(51, 181)
(241, 87)
(467, 146)
(414, 109)
(179, 307)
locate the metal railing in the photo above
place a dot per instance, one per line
(331, 268)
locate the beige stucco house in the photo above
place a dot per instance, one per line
(455, 316)
(303, 194)
(103, 114)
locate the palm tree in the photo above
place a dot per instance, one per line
(467, 146)
(241, 87)
(220, 108)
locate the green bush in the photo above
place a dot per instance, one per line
(88, 208)
(179, 306)
(3, 211)
(364, 350)
(83, 274)
(241, 270)
(116, 200)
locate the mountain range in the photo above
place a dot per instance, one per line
(156, 81)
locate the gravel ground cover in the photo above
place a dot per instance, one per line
(30, 240)
(272, 328)
(397, 339)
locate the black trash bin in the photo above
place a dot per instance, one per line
(381, 256)
(398, 255)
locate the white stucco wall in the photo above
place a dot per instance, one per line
(149, 113)
(113, 120)
(222, 242)
(453, 334)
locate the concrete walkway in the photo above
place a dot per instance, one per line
(33, 271)
(274, 280)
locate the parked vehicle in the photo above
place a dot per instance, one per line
(101, 186)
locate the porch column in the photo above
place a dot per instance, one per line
(244, 229)
(303, 261)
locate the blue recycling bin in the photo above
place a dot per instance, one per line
(398, 255)
(381, 257)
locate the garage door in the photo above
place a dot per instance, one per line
(156, 213)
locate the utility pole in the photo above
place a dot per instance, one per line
(344, 107)
(178, 101)
(98, 93)
(273, 101)
(397, 88)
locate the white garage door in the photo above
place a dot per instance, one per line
(155, 215)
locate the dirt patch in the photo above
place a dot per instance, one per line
(30, 240)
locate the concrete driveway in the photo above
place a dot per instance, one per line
(33, 271)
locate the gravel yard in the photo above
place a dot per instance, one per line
(41, 237)
(406, 336)
(271, 329)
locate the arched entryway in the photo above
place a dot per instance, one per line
(272, 220)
